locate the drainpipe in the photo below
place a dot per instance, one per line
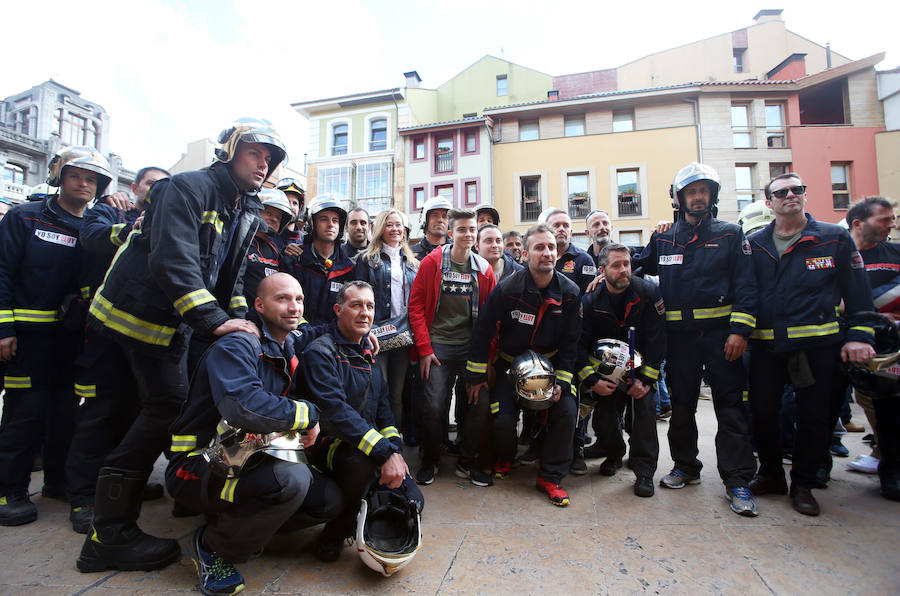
(491, 157)
(695, 103)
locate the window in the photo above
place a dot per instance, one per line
(740, 126)
(777, 169)
(502, 86)
(574, 126)
(417, 198)
(418, 149)
(76, 130)
(840, 185)
(447, 191)
(470, 140)
(528, 131)
(373, 186)
(775, 125)
(629, 192)
(339, 134)
(335, 181)
(623, 120)
(738, 59)
(13, 174)
(471, 192)
(378, 134)
(632, 238)
(444, 161)
(579, 199)
(743, 185)
(531, 198)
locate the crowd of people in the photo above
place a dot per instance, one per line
(219, 304)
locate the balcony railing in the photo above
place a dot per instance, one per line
(629, 204)
(443, 162)
(14, 192)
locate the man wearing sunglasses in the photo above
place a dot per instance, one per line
(804, 269)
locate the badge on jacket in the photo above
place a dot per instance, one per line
(820, 263)
(671, 259)
(523, 317)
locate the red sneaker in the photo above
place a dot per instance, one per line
(558, 495)
(502, 468)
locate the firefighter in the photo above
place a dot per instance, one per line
(265, 255)
(40, 261)
(178, 281)
(434, 225)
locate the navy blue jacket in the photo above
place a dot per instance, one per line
(578, 266)
(378, 274)
(510, 265)
(263, 259)
(104, 230)
(321, 284)
(348, 388)
(705, 275)
(800, 292)
(40, 262)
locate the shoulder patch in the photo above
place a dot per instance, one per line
(660, 306)
(745, 247)
(856, 260)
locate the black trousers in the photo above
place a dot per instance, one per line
(817, 410)
(642, 438)
(688, 352)
(887, 420)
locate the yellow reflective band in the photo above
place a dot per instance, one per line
(301, 416)
(211, 217)
(495, 407)
(649, 372)
(742, 317)
(85, 390)
(6, 316)
(585, 373)
(837, 310)
(712, 313)
(95, 538)
(17, 382)
(389, 431)
(369, 440)
(183, 442)
(2, 500)
(114, 234)
(193, 300)
(128, 324)
(227, 493)
(221, 427)
(329, 458)
(86, 292)
(801, 331)
(564, 375)
(26, 315)
(673, 315)
(237, 302)
(762, 334)
(745, 395)
(195, 453)
(476, 367)
(864, 329)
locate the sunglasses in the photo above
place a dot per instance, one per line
(783, 192)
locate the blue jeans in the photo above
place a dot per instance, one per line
(662, 392)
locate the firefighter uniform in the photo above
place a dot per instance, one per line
(263, 259)
(522, 317)
(706, 279)
(578, 266)
(321, 279)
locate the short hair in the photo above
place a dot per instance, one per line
(536, 229)
(768, 189)
(595, 212)
(356, 283)
(865, 208)
(511, 234)
(555, 211)
(455, 214)
(144, 171)
(603, 257)
(484, 227)
(354, 210)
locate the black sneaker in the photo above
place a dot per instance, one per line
(426, 473)
(578, 466)
(16, 511)
(643, 486)
(610, 465)
(475, 476)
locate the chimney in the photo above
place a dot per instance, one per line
(412, 79)
(828, 55)
(765, 16)
(553, 95)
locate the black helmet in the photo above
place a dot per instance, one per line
(878, 377)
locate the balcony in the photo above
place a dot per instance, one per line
(443, 162)
(629, 204)
(15, 193)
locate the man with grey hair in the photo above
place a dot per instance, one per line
(599, 229)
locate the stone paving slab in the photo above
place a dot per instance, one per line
(508, 539)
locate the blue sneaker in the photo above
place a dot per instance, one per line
(678, 479)
(216, 575)
(742, 501)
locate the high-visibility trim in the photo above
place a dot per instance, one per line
(585, 372)
(114, 234)
(238, 302)
(801, 331)
(495, 407)
(193, 300)
(6, 316)
(95, 538)
(86, 292)
(649, 372)
(673, 315)
(17, 382)
(183, 443)
(864, 329)
(389, 431)
(227, 493)
(27, 315)
(195, 453)
(476, 367)
(369, 440)
(85, 390)
(743, 317)
(211, 217)
(745, 395)
(128, 324)
(301, 416)
(329, 457)
(221, 427)
(2, 500)
(712, 313)
(762, 334)
(510, 358)
(564, 375)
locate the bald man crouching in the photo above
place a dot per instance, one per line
(246, 380)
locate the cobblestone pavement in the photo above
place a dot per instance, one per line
(509, 539)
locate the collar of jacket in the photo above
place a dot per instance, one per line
(479, 263)
(684, 232)
(572, 250)
(270, 345)
(226, 185)
(553, 290)
(764, 237)
(51, 210)
(382, 257)
(342, 341)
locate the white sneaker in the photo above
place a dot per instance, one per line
(865, 464)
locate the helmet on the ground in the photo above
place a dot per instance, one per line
(251, 130)
(84, 158)
(272, 197)
(694, 172)
(488, 208)
(42, 191)
(435, 202)
(754, 217)
(611, 360)
(388, 529)
(533, 380)
(878, 377)
(321, 203)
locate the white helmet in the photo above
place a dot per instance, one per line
(388, 529)
(272, 197)
(533, 380)
(690, 173)
(611, 360)
(754, 216)
(435, 202)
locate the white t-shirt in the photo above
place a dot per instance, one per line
(398, 304)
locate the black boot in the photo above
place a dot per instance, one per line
(114, 540)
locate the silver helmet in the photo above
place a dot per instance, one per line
(695, 172)
(84, 158)
(611, 360)
(533, 380)
(273, 197)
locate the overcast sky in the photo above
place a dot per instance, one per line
(172, 72)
